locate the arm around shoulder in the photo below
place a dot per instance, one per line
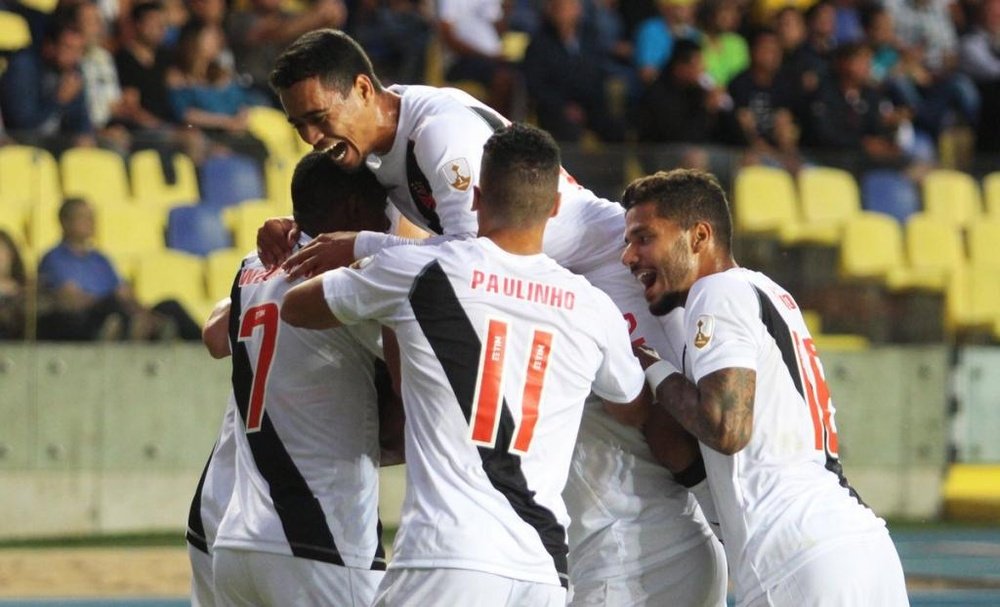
(305, 306)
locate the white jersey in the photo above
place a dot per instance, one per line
(498, 353)
(306, 436)
(434, 162)
(214, 487)
(782, 499)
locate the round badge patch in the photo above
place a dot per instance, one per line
(705, 328)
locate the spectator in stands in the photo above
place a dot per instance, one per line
(565, 77)
(938, 94)
(725, 50)
(656, 37)
(680, 106)
(848, 26)
(763, 99)
(980, 59)
(471, 34)
(395, 33)
(205, 95)
(852, 116)
(42, 94)
(81, 297)
(213, 13)
(821, 27)
(142, 65)
(803, 68)
(881, 38)
(13, 289)
(259, 33)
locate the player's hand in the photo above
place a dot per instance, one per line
(275, 240)
(646, 355)
(325, 252)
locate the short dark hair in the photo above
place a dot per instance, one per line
(685, 196)
(69, 205)
(758, 34)
(683, 52)
(140, 10)
(849, 50)
(869, 12)
(326, 198)
(328, 54)
(520, 174)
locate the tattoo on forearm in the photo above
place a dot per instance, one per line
(718, 411)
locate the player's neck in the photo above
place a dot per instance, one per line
(386, 120)
(516, 241)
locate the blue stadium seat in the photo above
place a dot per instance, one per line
(197, 230)
(889, 192)
(229, 180)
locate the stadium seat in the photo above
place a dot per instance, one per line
(952, 196)
(829, 196)
(991, 192)
(933, 246)
(29, 176)
(44, 231)
(273, 130)
(150, 186)
(14, 32)
(230, 179)
(973, 300)
(197, 230)
(14, 221)
(95, 174)
(278, 174)
(891, 193)
(129, 230)
(984, 243)
(245, 219)
(220, 270)
(764, 200)
(872, 250)
(172, 275)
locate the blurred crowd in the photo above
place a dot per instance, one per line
(882, 80)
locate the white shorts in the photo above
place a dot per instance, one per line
(202, 593)
(410, 587)
(245, 578)
(865, 572)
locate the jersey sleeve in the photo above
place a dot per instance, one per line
(619, 378)
(372, 289)
(721, 326)
(449, 150)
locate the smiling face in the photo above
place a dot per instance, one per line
(659, 254)
(343, 127)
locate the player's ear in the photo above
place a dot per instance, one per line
(364, 86)
(476, 194)
(555, 205)
(701, 235)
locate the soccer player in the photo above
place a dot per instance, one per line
(637, 536)
(499, 348)
(301, 526)
(751, 389)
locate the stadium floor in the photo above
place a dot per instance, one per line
(945, 567)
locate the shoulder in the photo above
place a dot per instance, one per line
(731, 289)
(442, 118)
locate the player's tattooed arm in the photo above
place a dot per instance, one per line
(718, 411)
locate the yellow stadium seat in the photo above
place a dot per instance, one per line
(973, 299)
(933, 246)
(44, 231)
(172, 275)
(245, 219)
(829, 196)
(872, 250)
(513, 45)
(28, 175)
(991, 191)
(984, 243)
(220, 270)
(149, 185)
(764, 200)
(14, 32)
(42, 6)
(271, 127)
(952, 196)
(278, 178)
(124, 263)
(14, 221)
(95, 174)
(126, 229)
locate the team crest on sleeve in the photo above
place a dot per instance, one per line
(705, 328)
(458, 174)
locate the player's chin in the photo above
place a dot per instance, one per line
(665, 303)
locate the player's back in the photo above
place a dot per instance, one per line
(307, 432)
(434, 163)
(498, 353)
(783, 497)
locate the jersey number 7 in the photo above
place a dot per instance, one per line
(489, 386)
(265, 316)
